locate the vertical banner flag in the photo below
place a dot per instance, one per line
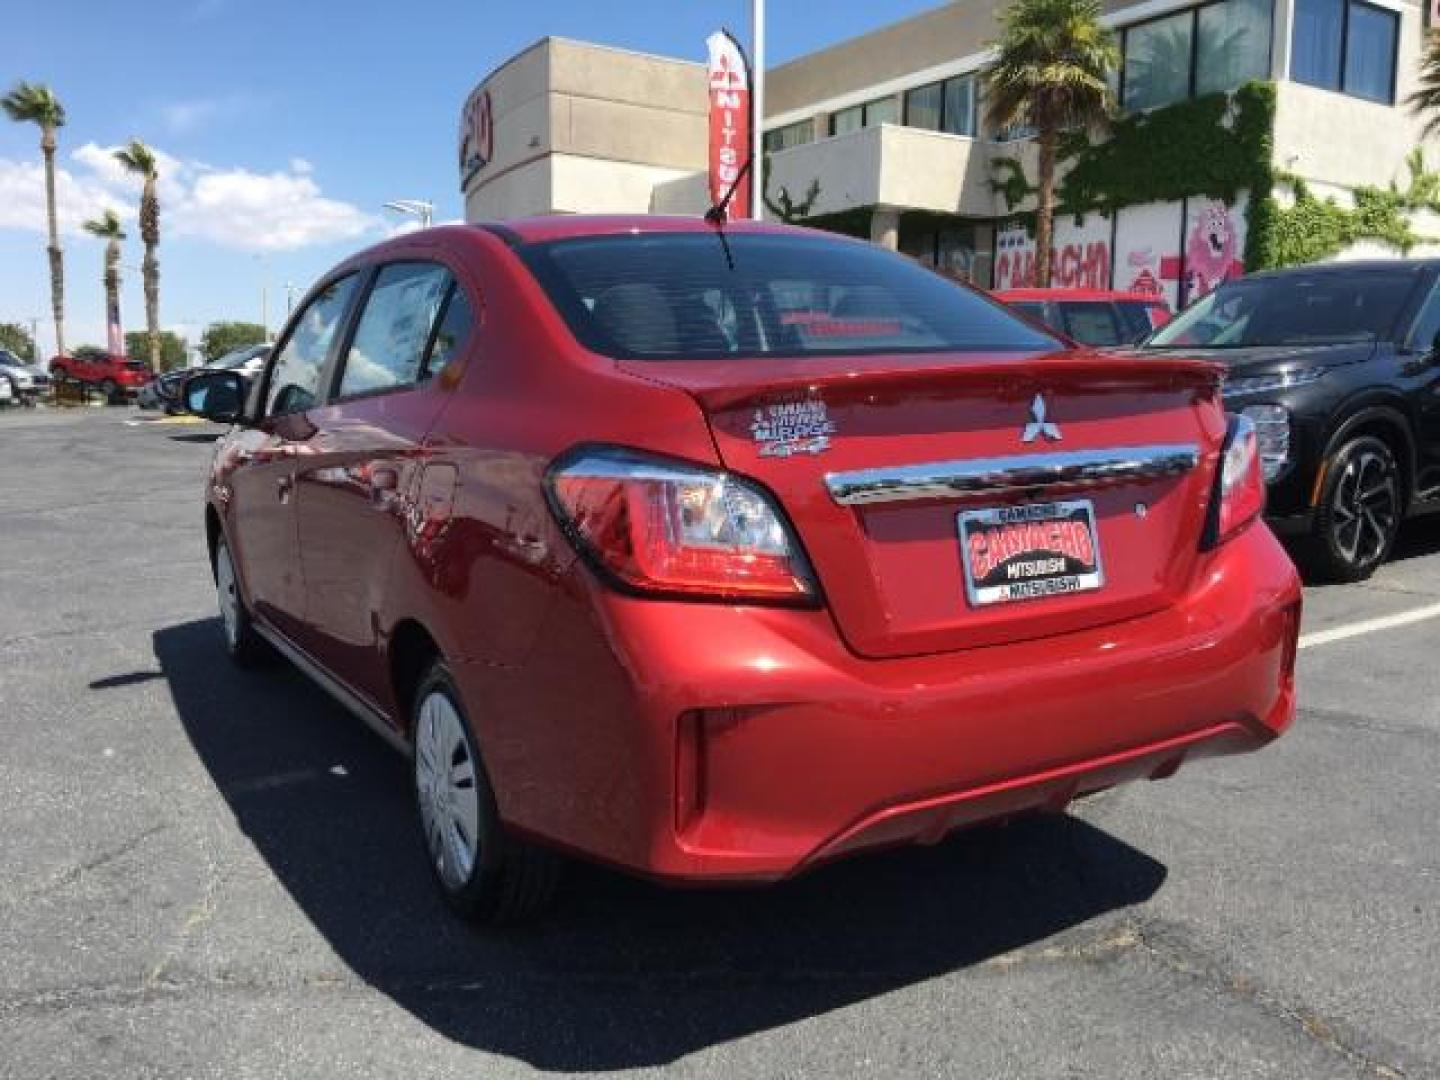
(115, 340)
(729, 83)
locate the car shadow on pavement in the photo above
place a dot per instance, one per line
(622, 974)
(1418, 537)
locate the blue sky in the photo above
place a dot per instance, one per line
(284, 125)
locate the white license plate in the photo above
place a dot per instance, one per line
(1031, 551)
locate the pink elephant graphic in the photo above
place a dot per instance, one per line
(1211, 251)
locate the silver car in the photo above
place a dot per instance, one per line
(27, 381)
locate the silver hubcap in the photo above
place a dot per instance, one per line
(228, 594)
(1366, 508)
(445, 782)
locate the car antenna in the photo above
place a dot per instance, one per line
(717, 213)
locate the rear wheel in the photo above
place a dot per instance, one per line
(1359, 512)
(108, 390)
(485, 875)
(244, 646)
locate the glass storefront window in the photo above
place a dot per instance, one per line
(1232, 45)
(1157, 61)
(960, 106)
(880, 111)
(1211, 49)
(797, 134)
(924, 105)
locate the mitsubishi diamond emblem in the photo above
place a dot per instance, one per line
(1038, 425)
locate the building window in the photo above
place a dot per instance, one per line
(947, 106)
(1157, 61)
(783, 138)
(1232, 45)
(870, 114)
(1209, 49)
(1345, 45)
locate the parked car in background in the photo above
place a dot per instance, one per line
(27, 382)
(1338, 367)
(944, 568)
(1092, 316)
(113, 376)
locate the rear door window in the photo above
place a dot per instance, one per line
(387, 351)
(1135, 318)
(714, 295)
(294, 378)
(455, 322)
(1091, 323)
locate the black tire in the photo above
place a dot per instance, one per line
(108, 390)
(1359, 513)
(243, 645)
(507, 880)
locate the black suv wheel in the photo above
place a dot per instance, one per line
(1359, 512)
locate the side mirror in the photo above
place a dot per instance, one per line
(216, 395)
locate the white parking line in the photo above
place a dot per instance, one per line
(1369, 626)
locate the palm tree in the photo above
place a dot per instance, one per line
(140, 160)
(1425, 101)
(107, 227)
(1052, 73)
(36, 103)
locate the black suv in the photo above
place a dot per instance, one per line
(1339, 368)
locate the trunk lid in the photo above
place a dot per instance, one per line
(874, 459)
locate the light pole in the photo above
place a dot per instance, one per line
(421, 209)
(757, 106)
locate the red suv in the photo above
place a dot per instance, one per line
(715, 554)
(111, 375)
(1096, 317)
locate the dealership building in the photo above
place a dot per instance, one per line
(1236, 115)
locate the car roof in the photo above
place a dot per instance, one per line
(568, 226)
(1359, 266)
(1091, 295)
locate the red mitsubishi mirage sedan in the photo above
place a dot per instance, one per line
(718, 553)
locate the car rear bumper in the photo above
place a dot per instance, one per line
(708, 742)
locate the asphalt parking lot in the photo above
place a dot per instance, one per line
(210, 874)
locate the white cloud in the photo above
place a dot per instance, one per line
(234, 208)
(22, 198)
(278, 211)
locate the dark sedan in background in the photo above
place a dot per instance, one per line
(1338, 366)
(166, 392)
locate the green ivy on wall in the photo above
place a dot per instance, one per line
(1217, 146)
(1312, 228)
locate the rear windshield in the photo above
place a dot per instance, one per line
(706, 296)
(1328, 308)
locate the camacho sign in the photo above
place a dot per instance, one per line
(477, 135)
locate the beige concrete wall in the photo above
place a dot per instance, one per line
(586, 185)
(1343, 140)
(520, 192)
(958, 29)
(569, 115)
(899, 167)
(521, 116)
(625, 106)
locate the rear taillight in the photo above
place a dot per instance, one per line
(1239, 496)
(665, 528)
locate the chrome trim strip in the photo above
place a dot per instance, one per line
(1024, 472)
(334, 687)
